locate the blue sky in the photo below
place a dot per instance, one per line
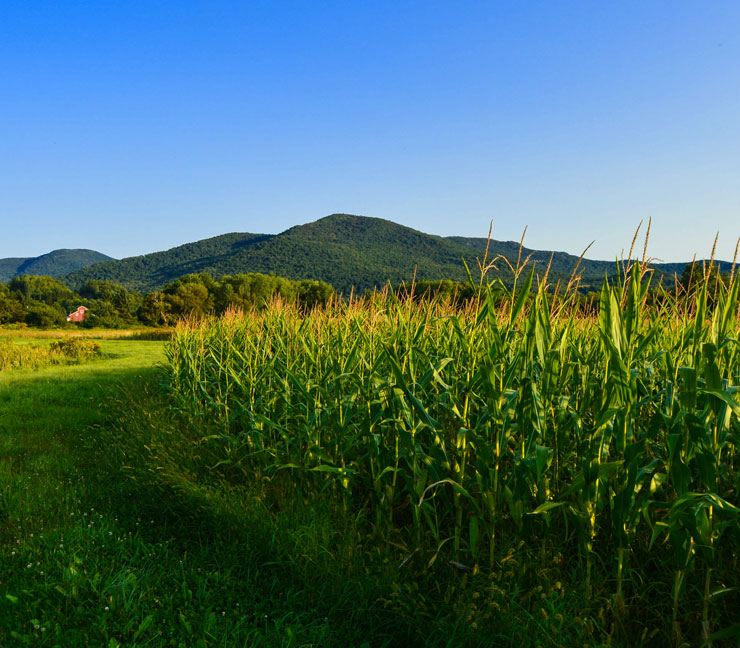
(130, 127)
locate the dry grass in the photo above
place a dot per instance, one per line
(76, 332)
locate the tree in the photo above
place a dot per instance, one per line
(43, 289)
(126, 302)
(44, 316)
(191, 299)
(312, 293)
(155, 310)
(104, 314)
(12, 310)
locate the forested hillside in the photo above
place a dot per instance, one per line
(349, 252)
(154, 271)
(343, 250)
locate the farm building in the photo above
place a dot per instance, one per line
(78, 315)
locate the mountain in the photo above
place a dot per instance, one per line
(347, 251)
(53, 263)
(344, 250)
(8, 268)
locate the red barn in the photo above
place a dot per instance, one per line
(78, 315)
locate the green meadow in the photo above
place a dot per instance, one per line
(515, 470)
(98, 550)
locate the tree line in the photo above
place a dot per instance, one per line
(45, 302)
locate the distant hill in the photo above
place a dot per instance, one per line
(344, 250)
(54, 263)
(8, 268)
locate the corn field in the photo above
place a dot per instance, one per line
(458, 431)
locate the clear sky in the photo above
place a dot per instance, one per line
(130, 127)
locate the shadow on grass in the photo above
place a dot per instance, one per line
(144, 469)
(164, 540)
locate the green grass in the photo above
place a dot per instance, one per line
(51, 475)
(106, 540)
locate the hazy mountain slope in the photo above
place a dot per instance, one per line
(8, 267)
(61, 262)
(53, 263)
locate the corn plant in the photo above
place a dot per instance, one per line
(516, 417)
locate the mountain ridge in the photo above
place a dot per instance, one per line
(56, 262)
(350, 252)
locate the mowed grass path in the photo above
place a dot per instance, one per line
(57, 494)
(94, 553)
